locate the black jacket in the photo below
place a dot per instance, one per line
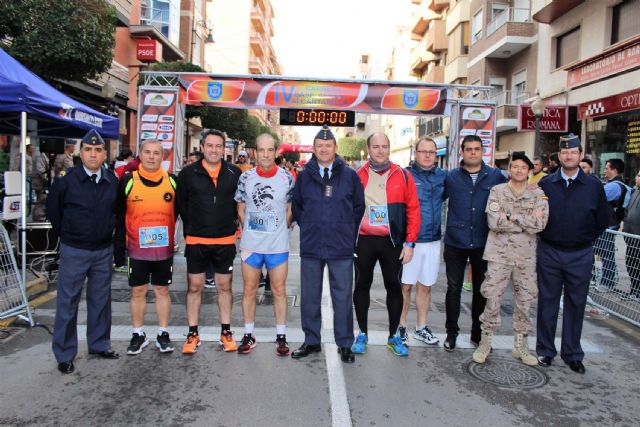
(207, 211)
(82, 213)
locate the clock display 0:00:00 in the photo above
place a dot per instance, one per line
(302, 117)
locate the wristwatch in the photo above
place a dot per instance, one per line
(410, 244)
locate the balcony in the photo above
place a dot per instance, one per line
(510, 32)
(507, 103)
(123, 10)
(420, 21)
(420, 58)
(255, 66)
(436, 37)
(554, 9)
(437, 5)
(457, 15)
(434, 74)
(456, 69)
(257, 19)
(257, 44)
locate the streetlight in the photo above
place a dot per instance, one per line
(537, 106)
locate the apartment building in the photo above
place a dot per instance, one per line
(589, 59)
(441, 30)
(503, 54)
(243, 32)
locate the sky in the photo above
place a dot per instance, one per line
(325, 38)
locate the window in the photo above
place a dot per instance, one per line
(519, 86)
(567, 47)
(197, 50)
(476, 26)
(465, 38)
(624, 20)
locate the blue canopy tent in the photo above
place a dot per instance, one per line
(23, 96)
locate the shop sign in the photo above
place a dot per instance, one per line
(614, 104)
(149, 51)
(555, 118)
(604, 65)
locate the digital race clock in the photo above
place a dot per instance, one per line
(298, 117)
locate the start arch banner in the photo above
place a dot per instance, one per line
(275, 93)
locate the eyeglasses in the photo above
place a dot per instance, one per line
(427, 152)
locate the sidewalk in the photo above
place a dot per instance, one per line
(430, 387)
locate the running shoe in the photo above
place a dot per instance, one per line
(425, 335)
(397, 347)
(467, 286)
(282, 346)
(402, 333)
(138, 342)
(120, 268)
(191, 344)
(209, 284)
(360, 344)
(227, 342)
(247, 344)
(163, 342)
(633, 297)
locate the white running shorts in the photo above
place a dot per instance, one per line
(424, 265)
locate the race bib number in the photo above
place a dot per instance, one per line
(378, 215)
(263, 222)
(154, 237)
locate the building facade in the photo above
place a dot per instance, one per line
(589, 55)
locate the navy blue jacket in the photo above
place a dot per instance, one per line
(577, 214)
(430, 187)
(467, 226)
(83, 213)
(328, 224)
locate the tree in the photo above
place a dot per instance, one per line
(351, 147)
(62, 39)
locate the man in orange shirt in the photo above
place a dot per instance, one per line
(205, 198)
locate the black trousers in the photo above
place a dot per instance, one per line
(632, 262)
(369, 250)
(456, 261)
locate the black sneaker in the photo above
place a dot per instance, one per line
(138, 342)
(402, 333)
(248, 343)
(450, 341)
(163, 342)
(209, 284)
(282, 346)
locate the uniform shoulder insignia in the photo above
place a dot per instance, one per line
(494, 206)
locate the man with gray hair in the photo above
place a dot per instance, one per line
(145, 219)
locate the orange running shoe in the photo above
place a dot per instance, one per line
(192, 343)
(227, 342)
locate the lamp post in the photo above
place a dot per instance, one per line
(537, 106)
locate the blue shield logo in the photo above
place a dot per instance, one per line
(410, 98)
(214, 90)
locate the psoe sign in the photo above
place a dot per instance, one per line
(555, 118)
(149, 51)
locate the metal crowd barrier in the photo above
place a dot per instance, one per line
(615, 276)
(13, 295)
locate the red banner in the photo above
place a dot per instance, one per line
(614, 104)
(157, 120)
(555, 118)
(615, 61)
(245, 92)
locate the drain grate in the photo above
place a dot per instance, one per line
(507, 373)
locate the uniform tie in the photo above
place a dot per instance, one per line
(325, 176)
(94, 177)
(569, 182)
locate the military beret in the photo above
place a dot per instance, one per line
(521, 156)
(569, 141)
(92, 138)
(325, 133)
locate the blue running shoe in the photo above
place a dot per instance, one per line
(395, 344)
(360, 344)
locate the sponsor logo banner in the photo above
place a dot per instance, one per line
(555, 118)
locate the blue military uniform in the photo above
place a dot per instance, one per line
(80, 207)
(578, 214)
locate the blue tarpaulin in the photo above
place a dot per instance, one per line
(57, 114)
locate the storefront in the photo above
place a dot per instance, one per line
(613, 131)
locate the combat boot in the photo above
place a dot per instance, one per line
(521, 350)
(483, 350)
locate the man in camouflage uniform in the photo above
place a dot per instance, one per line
(515, 214)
